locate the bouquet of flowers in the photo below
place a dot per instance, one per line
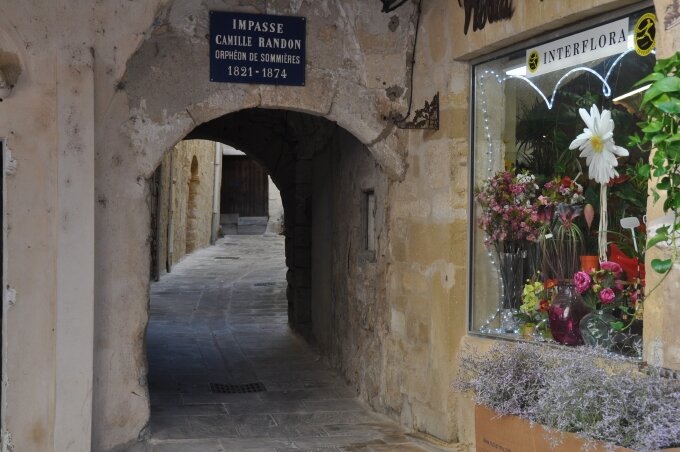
(509, 210)
(535, 304)
(606, 290)
(562, 190)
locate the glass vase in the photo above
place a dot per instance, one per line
(596, 329)
(566, 311)
(511, 269)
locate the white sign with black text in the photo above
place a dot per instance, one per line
(590, 45)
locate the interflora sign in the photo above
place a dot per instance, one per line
(257, 48)
(580, 48)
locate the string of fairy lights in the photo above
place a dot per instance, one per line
(490, 150)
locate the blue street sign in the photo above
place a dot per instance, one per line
(257, 48)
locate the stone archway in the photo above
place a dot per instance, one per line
(163, 96)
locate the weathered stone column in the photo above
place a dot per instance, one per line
(74, 327)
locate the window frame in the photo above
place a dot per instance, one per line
(561, 32)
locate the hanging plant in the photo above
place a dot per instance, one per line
(661, 104)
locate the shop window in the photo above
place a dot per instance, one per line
(525, 117)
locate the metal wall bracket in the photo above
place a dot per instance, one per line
(425, 118)
(391, 5)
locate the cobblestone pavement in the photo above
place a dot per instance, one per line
(220, 317)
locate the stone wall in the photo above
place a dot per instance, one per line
(176, 181)
(48, 127)
(104, 90)
(275, 222)
(349, 315)
(162, 97)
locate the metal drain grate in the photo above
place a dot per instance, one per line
(220, 388)
(263, 284)
(227, 257)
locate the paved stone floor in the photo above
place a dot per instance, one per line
(220, 317)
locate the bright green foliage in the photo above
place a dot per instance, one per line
(661, 104)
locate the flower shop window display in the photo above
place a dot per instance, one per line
(553, 179)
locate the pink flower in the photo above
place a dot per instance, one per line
(634, 297)
(568, 213)
(612, 267)
(589, 214)
(607, 295)
(582, 282)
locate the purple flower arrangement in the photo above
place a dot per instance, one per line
(586, 391)
(509, 211)
(515, 211)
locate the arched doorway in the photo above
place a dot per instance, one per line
(213, 330)
(150, 112)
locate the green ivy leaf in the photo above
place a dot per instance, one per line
(659, 171)
(644, 171)
(653, 127)
(659, 158)
(634, 140)
(659, 138)
(658, 238)
(617, 326)
(651, 94)
(653, 77)
(671, 106)
(667, 84)
(675, 202)
(662, 266)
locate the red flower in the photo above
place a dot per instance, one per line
(618, 180)
(566, 182)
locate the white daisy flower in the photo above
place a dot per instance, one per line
(597, 145)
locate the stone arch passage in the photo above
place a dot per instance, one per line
(323, 173)
(288, 145)
(149, 112)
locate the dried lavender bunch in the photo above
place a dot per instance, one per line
(506, 378)
(586, 391)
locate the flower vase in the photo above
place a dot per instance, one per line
(589, 263)
(533, 259)
(566, 311)
(511, 269)
(596, 329)
(527, 330)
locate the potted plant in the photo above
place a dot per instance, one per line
(661, 131)
(589, 259)
(533, 313)
(534, 398)
(561, 241)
